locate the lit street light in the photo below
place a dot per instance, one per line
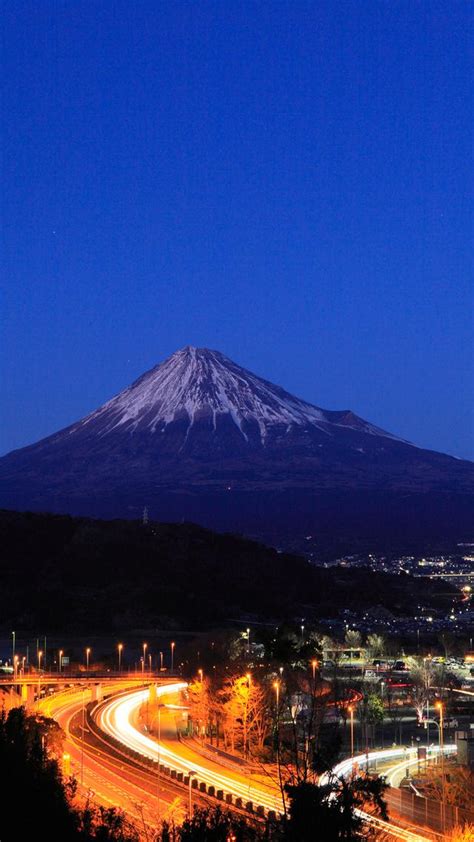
(351, 711)
(200, 672)
(88, 652)
(191, 776)
(60, 660)
(439, 705)
(145, 647)
(314, 664)
(120, 649)
(248, 641)
(172, 655)
(40, 655)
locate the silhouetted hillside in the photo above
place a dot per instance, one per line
(60, 573)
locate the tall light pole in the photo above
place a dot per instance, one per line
(88, 652)
(351, 711)
(82, 740)
(172, 655)
(248, 641)
(40, 655)
(190, 805)
(314, 664)
(161, 660)
(120, 649)
(439, 705)
(149, 660)
(15, 666)
(201, 674)
(13, 645)
(145, 647)
(60, 660)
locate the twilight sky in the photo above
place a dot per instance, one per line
(288, 182)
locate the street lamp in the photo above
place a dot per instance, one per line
(314, 664)
(145, 647)
(200, 675)
(15, 666)
(439, 705)
(161, 660)
(351, 711)
(248, 641)
(172, 655)
(60, 660)
(40, 655)
(88, 652)
(191, 776)
(120, 650)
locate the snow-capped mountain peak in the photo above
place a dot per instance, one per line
(196, 383)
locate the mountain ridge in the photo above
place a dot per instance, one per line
(198, 434)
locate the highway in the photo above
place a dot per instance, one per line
(107, 779)
(114, 780)
(392, 770)
(118, 719)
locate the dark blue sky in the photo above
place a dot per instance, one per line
(287, 182)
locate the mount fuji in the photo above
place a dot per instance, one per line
(198, 437)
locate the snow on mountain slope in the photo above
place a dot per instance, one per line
(195, 382)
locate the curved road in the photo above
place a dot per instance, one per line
(117, 718)
(142, 794)
(105, 778)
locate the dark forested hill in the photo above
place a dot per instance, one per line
(68, 573)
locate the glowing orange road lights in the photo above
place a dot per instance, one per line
(249, 679)
(276, 687)
(145, 647)
(248, 641)
(88, 652)
(314, 664)
(201, 674)
(439, 706)
(173, 644)
(67, 764)
(60, 660)
(120, 650)
(161, 660)
(351, 711)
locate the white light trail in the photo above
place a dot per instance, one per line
(115, 719)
